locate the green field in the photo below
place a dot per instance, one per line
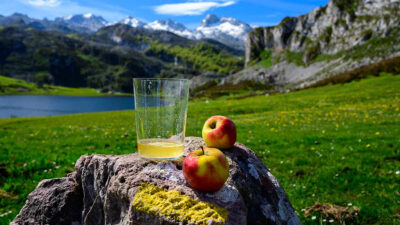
(335, 144)
(11, 86)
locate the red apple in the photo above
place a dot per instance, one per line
(206, 169)
(219, 132)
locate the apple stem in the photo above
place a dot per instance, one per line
(202, 148)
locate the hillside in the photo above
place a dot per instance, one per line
(204, 55)
(110, 58)
(336, 38)
(68, 60)
(334, 144)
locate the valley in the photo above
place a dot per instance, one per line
(88, 51)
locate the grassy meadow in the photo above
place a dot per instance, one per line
(336, 144)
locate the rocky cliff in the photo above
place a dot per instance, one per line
(337, 37)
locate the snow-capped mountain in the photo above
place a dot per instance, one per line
(88, 21)
(171, 26)
(227, 30)
(22, 20)
(166, 25)
(133, 22)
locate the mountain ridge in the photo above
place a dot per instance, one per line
(90, 21)
(226, 30)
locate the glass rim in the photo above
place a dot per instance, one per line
(171, 79)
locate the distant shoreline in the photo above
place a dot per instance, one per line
(12, 86)
(66, 94)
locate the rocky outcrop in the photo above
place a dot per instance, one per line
(129, 190)
(286, 76)
(338, 26)
(336, 38)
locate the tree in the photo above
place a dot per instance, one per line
(42, 78)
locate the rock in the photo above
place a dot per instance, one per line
(352, 33)
(338, 26)
(23, 89)
(125, 189)
(54, 201)
(203, 78)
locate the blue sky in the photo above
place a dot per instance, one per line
(189, 12)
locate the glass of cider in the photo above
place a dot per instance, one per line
(160, 110)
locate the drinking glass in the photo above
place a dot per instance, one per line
(160, 110)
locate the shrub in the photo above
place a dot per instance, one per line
(42, 78)
(266, 58)
(294, 57)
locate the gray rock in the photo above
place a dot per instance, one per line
(104, 189)
(205, 77)
(333, 27)
(338, 27)
(54, 201)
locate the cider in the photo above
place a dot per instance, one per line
(160, 148)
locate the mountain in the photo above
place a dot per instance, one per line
(138, 38)
(16, 18)
(85, 50)
(70, 60)
(89, 21)
(164, 25)
(171, 26)
(109, 58)
(227, 30)
(132, 21)
(339, 37)
(21, 20)
(195, 55)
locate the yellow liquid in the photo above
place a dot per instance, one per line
(160, 149)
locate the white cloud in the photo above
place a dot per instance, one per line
(190, 8)
(48, 3)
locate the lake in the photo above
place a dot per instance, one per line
(47, 105)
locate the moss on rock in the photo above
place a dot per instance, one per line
(174, 205)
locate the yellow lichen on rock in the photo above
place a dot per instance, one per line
(174, 205)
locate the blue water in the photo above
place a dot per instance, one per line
(46, 105)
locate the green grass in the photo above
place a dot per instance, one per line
(335, 144)
(295, 57)
(74, 36)
(265, 58)
(327, 57)
(11, 86)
